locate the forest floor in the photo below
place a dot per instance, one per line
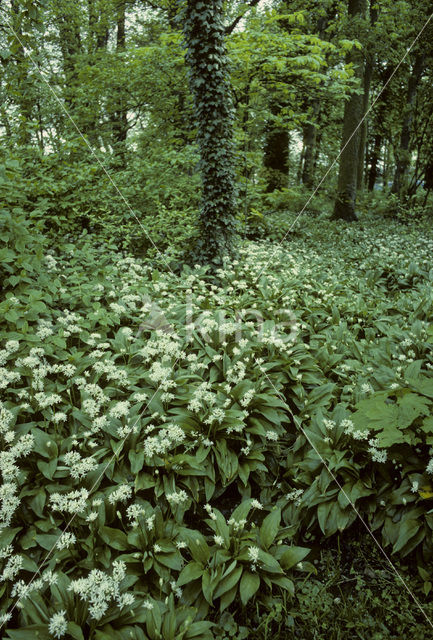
(262, 371)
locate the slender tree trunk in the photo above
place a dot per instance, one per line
(403, 154)
(119, 119)
(310, 138)
(24, 97)
(345, 203)
(207, 62)
(364, 126)
(375, 157)
(276, 153)
(301, 162)
(386, 164)
(368, 74)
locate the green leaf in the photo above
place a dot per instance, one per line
(406, 530)
(202, 629)
(228, 582)
(191, 572)
(114, 538)
(269, 528)
(292, 556)
(250, 583)
(75, 631)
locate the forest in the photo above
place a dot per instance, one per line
(216, 319)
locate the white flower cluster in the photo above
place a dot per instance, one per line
(12, 568)
(8, 458)
(164, 345)
(295, 496)
(271, 435)
(237, 525)
(10, 347)
(247, 397)
(167, 438)
(177, 497)
(135, 512)
(45, 329)
(58, 624)
(8, 378)
(66, 540)
(194, 364)
(377, 455)
(217, 415)
(120, 409)
(69, 322)
(122, 493)
(45, 400)
(253, 555)
(236, 373)
(111, 371)
(209, 510)
(349, 429)
(329, 424)
(22, 589)
(202, 397)
(161, 375)
(6, 418)
(71, 502)
(79, 467)
(99, 590)
(9, 502)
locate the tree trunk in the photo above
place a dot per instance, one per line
(276, 153)
(119, 120)
(206, 60)
(375, 157)
(310, 138)
(368, 74)
(301, 162)
(345, 203)
(403, 154)
(24, 93)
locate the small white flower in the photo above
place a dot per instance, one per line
(57, 625)
(256, 504)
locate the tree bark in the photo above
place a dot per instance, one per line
(209, 81)
(24, 88)
(310, 139)
(403, 154)
(119, 119)
(276, 153)
(368, 74)
(345, 203)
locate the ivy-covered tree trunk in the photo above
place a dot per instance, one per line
(345, 203)
(209, 83)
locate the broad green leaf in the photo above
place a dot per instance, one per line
(270, 527)
(249, 584)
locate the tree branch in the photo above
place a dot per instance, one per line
(231, 27)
